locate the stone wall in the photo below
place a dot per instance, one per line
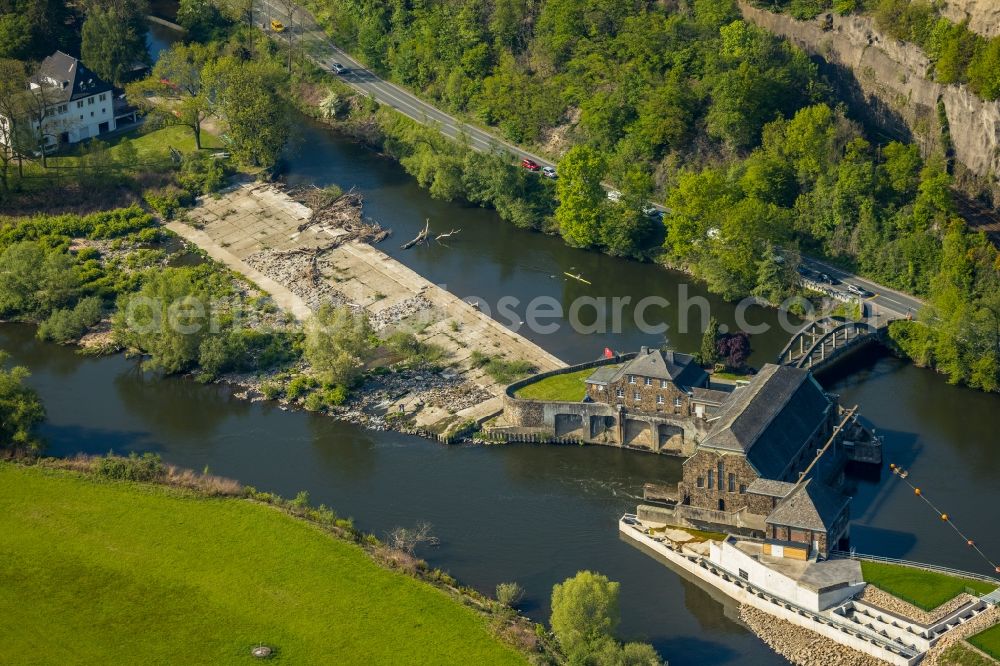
(885, 81)
(645, 395)
(703, 467)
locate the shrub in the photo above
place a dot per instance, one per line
(501, 370)
(299, 386)
(509, 594)
(147, 467)
(201, 174)
(167, 200)
(272, 390)
(69, 324)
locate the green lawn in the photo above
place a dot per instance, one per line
(98, 572)
(924, 589)
(988, 641)
(960, 654)
(148, 145)
(567, 387)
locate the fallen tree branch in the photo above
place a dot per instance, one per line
(447, 235)
(419, 238)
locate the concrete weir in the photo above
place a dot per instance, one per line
(261, 232)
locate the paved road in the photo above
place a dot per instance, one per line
(304, 30)
(323, 52)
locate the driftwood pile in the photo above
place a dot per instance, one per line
(341, 211)
(424, 234)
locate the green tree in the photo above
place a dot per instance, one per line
(709, 354)
(35, 279)
(20, 408)
(770, 277)
(581, 197)
(584, 608)
(176, 90)
(202, 19)
(168, 319)
(246, 95)
(338, 342)
(114, 39)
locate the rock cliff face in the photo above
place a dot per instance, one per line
(983, 15)
(887, 83)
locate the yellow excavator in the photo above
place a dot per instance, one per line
(277, 26)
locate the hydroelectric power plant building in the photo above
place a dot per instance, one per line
(763, 459)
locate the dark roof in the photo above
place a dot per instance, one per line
(770, 418)
(770, 487)
(811, 506)
(602, 375)
(66, 79)
(679, 368)
(709, 396)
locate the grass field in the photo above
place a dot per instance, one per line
(99, 572)
(961, 654)
(568, 387)
(924, 589)
(988, 641)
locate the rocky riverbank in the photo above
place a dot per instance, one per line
(800, 645)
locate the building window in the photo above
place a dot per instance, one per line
(711, 479)
(663, 383)
(631, 379)
(720, 474)
(62, 108)
(637, 395)
(701, 482)
(659, 400)
(649, 381)
(103, 96)
(620, 392)
(732, 482)
(90, 101)
(678, 402)
(79, 104)
(743, 488)
(744, 575)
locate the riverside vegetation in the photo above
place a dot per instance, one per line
(178, 523)
(733, 128)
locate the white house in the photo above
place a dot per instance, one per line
(78, 104)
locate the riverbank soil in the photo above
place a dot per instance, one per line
(111, 572)
(260, 231)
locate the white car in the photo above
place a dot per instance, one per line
(338, 68)
(859, 291)
(614, 195)
(549, 172)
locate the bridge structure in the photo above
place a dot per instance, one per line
(819, 343)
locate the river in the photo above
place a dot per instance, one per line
(534, 514)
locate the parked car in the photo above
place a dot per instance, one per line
(338, 68)
(614, 195)
(806, 273)
(650, 211)
(829, 279)
(549, 172)
(859, 291)
(530, 165)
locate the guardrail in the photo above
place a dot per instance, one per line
(844, 555)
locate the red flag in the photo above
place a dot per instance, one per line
(608, 353)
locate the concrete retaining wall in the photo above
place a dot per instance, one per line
(745, 593)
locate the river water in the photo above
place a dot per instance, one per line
(534, 514)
